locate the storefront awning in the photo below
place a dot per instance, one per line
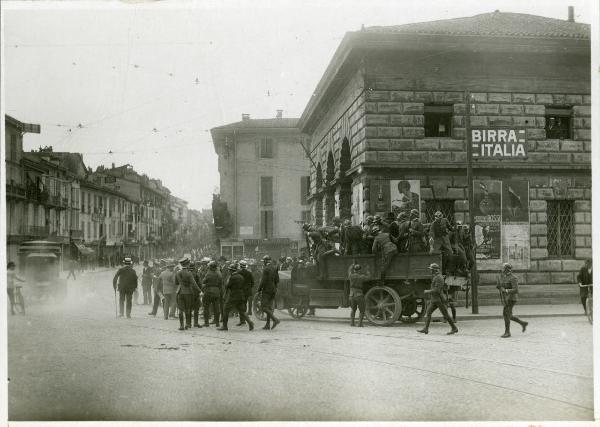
(83, 250)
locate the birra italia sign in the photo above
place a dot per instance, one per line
(499, 143)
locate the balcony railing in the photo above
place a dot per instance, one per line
(98, 217)
(35, 230)
(15, 190)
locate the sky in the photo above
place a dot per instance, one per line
(143, 83)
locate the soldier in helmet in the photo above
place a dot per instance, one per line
(357, 297)
(401, 231)
(186, 289)
(235, 298)
(385, 249)
(416, 235)
(509, 289)
(268, 287)
(248, 285)
(211, 286)
(438, 300)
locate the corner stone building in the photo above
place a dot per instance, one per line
(391, 105)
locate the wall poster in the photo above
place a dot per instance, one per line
(515, 224)
(487, 196)
(405, 195)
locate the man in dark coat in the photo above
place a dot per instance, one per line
(186, 289)
(147, 276)
(438, 300)
(385, 250)
(268, 287)
(417, 241)
(235, 299)
(584, 278)
(125, 281)
(248, 286)
(351, 236)
(212, 285)
(509, 289)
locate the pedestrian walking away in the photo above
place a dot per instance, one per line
(438, 300)
(235, 299)
(126, 282)
(72, 268)
(211, 287)
(11, 277)
(509, 289)
(147, 274)
(268, 288)
(186, 288)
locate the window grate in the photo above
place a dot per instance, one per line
(445, 206)
(560, 229)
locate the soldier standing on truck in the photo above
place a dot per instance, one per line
(385, 249)
(438, 300)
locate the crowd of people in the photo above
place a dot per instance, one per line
(218, 287)
(404, 233)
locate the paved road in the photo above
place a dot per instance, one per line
(77, 362)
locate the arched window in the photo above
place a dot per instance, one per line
(345, 161)
(330, 171)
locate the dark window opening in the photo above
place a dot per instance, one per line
(266, 148)
(561, 229)
(304, 189)
(266, 191)
(438, 121)
(558, 123)
(266, 224)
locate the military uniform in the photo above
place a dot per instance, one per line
(268, 287)
(509, 288)
(186, 289)
(166, 287)
(248, 286)
(357, 297)
(235, 300)
(211, 286)
(147, 276)
(437, 301)
(385, 249)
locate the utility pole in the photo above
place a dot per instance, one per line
(474, 277)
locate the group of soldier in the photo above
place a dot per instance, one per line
(404, 233)
(220, 289)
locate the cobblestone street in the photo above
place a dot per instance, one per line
(76, 362)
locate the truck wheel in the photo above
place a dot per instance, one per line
(383, 305)
(413, 309)
(257, 307)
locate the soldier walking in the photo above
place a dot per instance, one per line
(235, 298)
(125, 281)
(438, 300)
(186, 287)
(211, 286)
(509, 289)
(268, 288)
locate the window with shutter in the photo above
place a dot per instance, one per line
(266, 224)
(266, 191)
(266, 148)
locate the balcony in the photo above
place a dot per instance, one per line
(64, 201)
(35, 231)
(16, 191)
(98, 217)
(129, 218)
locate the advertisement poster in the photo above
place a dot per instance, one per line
(379, 196)
(405, 195)
(357, 203)
(488, 223)
(515, 224)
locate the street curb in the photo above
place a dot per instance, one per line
(499, 316)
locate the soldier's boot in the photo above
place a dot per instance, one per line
(268, 324)
(425, 330)
(276, 321)
(453, 309)
(360, 320)
(506, 328)
(352, 315)
(454, 328)
(520, 322)
(196, 324)
(225, 320)
(181, 328)
(247, 319)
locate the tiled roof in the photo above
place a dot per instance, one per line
(261, 124)
(499, 24)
